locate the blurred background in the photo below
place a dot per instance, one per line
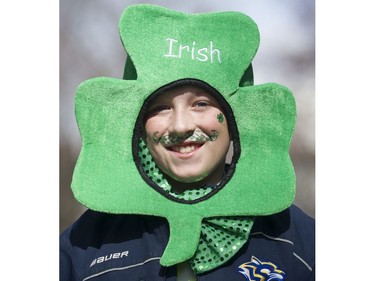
(90, 46)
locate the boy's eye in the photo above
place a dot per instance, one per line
(156, 110)
(201, 104)
(162, 107)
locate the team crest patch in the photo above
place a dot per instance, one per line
(257, 270)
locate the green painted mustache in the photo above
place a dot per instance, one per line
(194, 136)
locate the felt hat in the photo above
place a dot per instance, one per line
(165, 49)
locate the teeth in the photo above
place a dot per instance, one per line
(183, 149)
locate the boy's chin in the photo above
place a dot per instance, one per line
(188, 179)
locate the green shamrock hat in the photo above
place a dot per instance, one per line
(167, 48)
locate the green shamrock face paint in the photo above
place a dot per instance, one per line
(213, 50)
(220, 117)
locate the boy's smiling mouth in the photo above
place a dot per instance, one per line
(185, 148)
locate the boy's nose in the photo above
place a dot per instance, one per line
(182, 122)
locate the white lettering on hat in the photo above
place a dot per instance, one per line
(177, 50)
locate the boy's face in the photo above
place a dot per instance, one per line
(187, 135)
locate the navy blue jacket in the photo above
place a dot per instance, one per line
(99, 247)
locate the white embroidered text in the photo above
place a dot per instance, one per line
(207, 54)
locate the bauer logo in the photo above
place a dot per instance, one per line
(117, 255)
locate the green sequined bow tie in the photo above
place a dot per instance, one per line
(220, 240)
